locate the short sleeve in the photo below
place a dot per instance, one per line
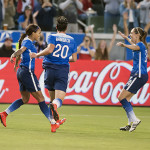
(26, 43)
(51, 39)
(140, 45)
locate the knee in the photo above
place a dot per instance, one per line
(25, 100)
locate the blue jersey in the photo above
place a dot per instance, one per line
(25, 58)
(65, 46)
(140, 60)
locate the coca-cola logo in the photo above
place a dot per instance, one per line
(102, 89)
(2, 91)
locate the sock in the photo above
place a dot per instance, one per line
(58, 102)
(46, 111)
(15, 105)
(129, 110)
(51, 116)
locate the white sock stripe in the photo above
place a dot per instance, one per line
(56, 101)
(7, 111)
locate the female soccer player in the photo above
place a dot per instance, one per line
(138, 75)
(27, 79)
(56, 64)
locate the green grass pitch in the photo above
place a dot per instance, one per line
(86, 128)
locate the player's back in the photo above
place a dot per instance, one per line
(65, 46)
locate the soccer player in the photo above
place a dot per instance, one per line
(56, 64)
(27, 79)
(138, 77)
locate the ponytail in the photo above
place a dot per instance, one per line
(21, 39)
(144, 38)
(142, 33)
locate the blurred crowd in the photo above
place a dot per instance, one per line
(17, 14)
(114, 15)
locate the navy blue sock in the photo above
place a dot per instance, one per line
(44, 108)
(126, 105)
(15, 105)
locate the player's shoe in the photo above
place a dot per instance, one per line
(53, 108)
(3, 116)
(126, 128)
(134, 125)
(54, 127)
(61, 121)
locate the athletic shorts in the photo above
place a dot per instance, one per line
(56, 79)
(27, 80)
(135, 83)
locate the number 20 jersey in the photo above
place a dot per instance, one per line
(65, 46)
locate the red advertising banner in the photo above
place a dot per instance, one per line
(90, 83)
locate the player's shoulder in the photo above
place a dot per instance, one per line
(141, 45)
(26, 40)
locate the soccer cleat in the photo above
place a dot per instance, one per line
(126, 128)
(3, 116)
(54, 127)
(61, 121)
(134, 125)
(53, 108)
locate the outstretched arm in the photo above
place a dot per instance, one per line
(48, 50)
(132, 46)
(125, 37)
(125, 18)
(113, 38)
(147, 27)
(92, 37)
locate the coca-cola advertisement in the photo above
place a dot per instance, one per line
(90, 83)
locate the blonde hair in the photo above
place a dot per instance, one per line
(132, 4)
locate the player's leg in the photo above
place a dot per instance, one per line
(45, 110)
(124, 98)
(14, 106)
(57, 103)
(52, 97)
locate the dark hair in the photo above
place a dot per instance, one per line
(62, 23)
(89, 38)
(28, 7)
(142, 33)
(29, 30)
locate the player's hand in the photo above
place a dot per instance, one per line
(33, 55)
(123, 35)
(120, 44)
(11, 58)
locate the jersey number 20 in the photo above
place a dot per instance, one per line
(64, 51)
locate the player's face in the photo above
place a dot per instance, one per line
(102, 44)
(37, 34)
(133, 35)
